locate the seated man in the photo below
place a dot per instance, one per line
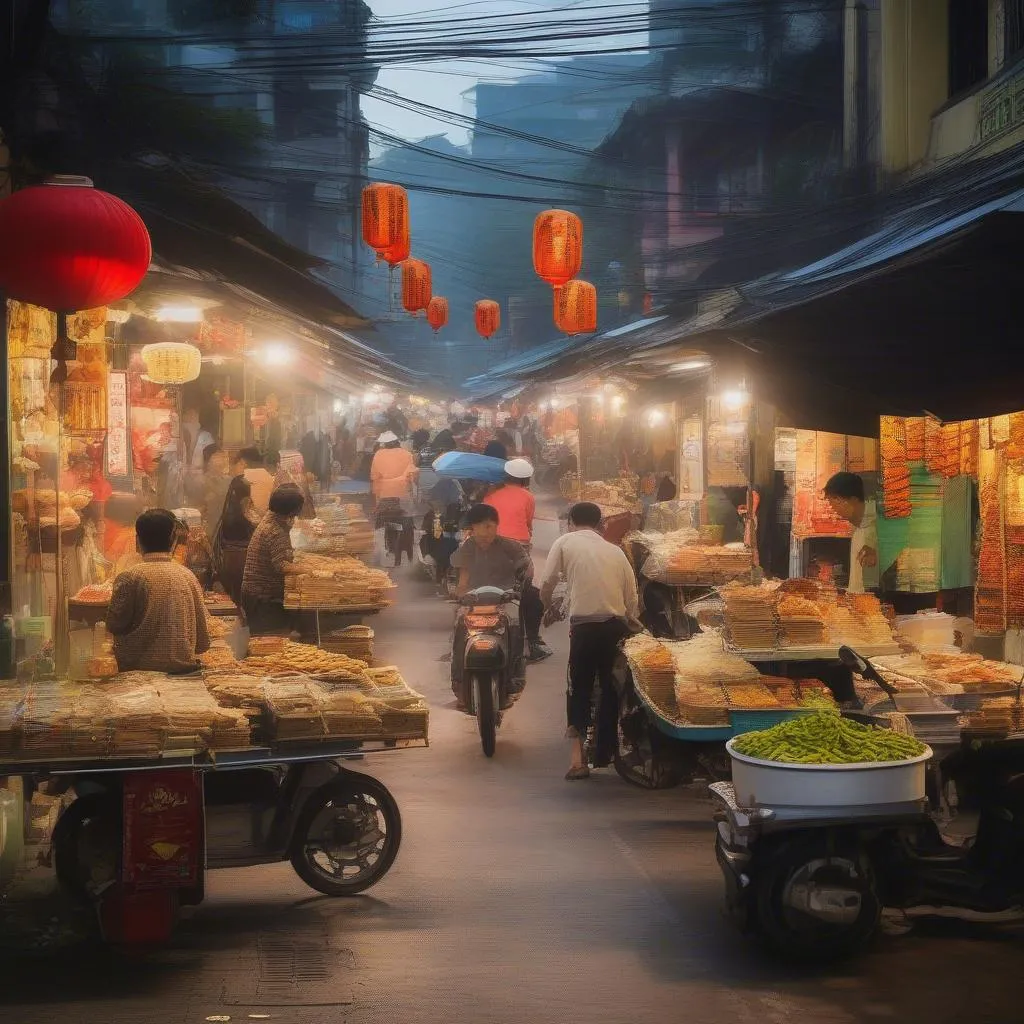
(156, 615)
(487, 560)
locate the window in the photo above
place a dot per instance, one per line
(968, 44)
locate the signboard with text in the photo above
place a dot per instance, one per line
(117, 424)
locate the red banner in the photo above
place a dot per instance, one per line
(163, 829)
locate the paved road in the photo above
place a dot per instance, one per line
(517, 897)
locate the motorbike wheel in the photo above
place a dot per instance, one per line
(485, 701)
(641, 760)
(347, 836)
(785, 880)
(87, 846)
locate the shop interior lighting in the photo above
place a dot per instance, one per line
(735, 399)
(277, 355)
(618, 401)
(555, 403)
(690, 364)
(655, 417)
(338, 405)
(179, 315)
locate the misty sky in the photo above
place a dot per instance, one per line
(442, 84)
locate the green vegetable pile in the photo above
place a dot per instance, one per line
(822, 738)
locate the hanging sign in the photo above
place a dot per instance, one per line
(117, 424)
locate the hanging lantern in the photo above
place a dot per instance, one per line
(488, 317)
(557, 246)
(416, 285)
(69, 246)
(172, 362)
(437, 312)
(386, 221)
(576, 308)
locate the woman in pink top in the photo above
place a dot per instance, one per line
(392, 474)
(516, 508)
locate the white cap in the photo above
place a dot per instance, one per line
(521, 469)
(387, 437)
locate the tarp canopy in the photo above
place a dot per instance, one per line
(470, 466)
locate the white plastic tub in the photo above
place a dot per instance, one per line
(760, 783)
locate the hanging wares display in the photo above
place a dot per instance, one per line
(416, 286)
(557, 246)
(576, 308)
(172, 362)
(386, 221)
(437, 312)
(488, 317)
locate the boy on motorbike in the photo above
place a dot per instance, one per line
(487, 560)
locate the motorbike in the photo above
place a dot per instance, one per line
(339, 829)
(812, 886)
(489, 647)
(441, 537)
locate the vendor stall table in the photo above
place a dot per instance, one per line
(350, 615)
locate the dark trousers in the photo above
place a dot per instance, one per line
(532, 610)
(593, 650)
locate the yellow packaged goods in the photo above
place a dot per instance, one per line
(703, 705)
(751, 698)
(654, 669)
(263, 646)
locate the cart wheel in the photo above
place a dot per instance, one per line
(87, 845)
(347, 836)
(837, 881)
(639, 759)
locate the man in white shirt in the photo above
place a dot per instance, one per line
(603, 603)
(845, 494)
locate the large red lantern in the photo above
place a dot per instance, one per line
(68, 246)
(416, 285)
(437, 312)
(576, 308)
(386, 221)
(488, 317)
(557, 246)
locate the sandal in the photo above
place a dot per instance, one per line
(581, 772)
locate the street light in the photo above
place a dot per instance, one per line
(277, 355)
(179, 315)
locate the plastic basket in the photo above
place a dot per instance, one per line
(755, 721)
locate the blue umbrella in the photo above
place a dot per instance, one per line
(470, 466)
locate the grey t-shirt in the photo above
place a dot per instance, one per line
(497, 566)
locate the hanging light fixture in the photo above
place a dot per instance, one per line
(386, 221)
(487, 314)
(437, 312)
(416, 286)
(172, 362)
(576, 308)
(557, 246)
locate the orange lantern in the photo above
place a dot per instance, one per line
(386, 221)
(557, 246)
(576, 308)
(416, 285)
(437, 312)
(488, 317)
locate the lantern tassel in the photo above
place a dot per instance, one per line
(64, 350)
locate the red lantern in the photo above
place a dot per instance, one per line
(437, 312)
(68, 246)
(488, 317)
(576, 308)
(416, 285)
(386, 221)
(557, 246)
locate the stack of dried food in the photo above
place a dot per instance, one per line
(353, 641)
(698, 564)
(996, 716)
(195, 719)
(321, 582)
(703, 671)
(654, 670)
(750, 616)
(403, 712)
(953, 672)
(359, 538)
(140, 724)
(95, 593)
(801, 623)
(326, 534)
(273, 656)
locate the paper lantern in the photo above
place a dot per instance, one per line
(172, 362)
(386, 221)
(437, 312)
(416, 285)
(488, 317)
(68, 246)
(557, 246)
(576, 308)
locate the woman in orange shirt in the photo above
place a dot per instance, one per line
(392, 474)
